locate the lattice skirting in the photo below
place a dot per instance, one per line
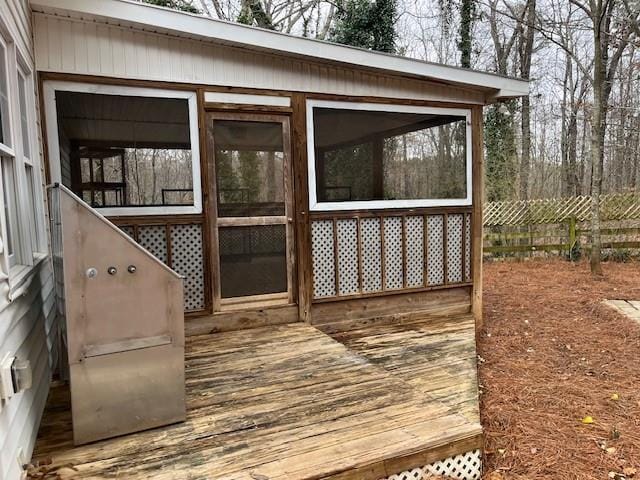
(466, 466)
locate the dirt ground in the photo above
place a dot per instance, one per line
(550, 355)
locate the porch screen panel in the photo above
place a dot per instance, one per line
(128, 151)
(253, 260)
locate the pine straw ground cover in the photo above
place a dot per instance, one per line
(551, 354)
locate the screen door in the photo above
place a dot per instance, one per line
(252, 171)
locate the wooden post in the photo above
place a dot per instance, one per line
(301, 196)
(476, 220)
(572, 236)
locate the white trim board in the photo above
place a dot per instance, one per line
(247, 99)
(51, 119)
(316, 206)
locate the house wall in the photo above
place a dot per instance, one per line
(27, 324)
(75, 46)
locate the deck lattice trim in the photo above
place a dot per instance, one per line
(466, 466)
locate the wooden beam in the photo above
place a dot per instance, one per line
(476, 215)
(301, 196)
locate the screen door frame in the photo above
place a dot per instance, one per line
(261, 300)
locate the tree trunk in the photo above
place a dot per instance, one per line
(597, 138)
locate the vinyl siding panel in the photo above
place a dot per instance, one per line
(28, 326)
(27, 329)
(69, 45)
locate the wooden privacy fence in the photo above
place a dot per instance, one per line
(560, 225)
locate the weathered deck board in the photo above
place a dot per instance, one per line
(437, 357)
(284, 402)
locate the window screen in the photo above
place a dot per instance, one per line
(125, 151)
(365, 155)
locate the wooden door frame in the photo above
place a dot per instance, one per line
(254, 301)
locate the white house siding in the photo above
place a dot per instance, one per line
(71, 45)
(28, 324)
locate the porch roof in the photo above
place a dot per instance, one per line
(155, 19)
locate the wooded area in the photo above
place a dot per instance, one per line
(577, 133)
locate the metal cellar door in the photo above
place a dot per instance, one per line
(122, 322)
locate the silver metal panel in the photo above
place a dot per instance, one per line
(125, 328)
(127, 392)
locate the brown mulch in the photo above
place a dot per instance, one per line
(550, 355)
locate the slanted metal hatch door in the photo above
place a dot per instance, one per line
(250, 164)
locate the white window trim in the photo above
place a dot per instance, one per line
(51, 119)
(20, 275)
(315, 205)
(32, 161)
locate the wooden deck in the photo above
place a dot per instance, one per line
(289, 402)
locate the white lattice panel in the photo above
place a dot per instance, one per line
(371, 255)
(467, 249)
(466, 466)
(154, 239)
(393, 267)
(347, 235)
(435, 250)
(454, 248)
(186, 249)
(322, 257)
(129, 230)
(414, 247)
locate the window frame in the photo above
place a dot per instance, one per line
(31, 196)
(51, 121)
(316, 206)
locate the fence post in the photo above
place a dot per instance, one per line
(572, 236)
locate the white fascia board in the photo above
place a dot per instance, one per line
(148, 17)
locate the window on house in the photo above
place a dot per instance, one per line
(127, 153)
(378, 156)
(12, 243)
(5, 134)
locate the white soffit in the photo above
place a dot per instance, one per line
(164, 20)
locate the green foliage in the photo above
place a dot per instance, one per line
(252, 12)
(366, 24)
(182, 5)
(619, 255)
(467, 12)
(500, 143)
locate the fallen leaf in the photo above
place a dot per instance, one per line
(629, 471)
(615, 397)
(588, 420)
(610, 450)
